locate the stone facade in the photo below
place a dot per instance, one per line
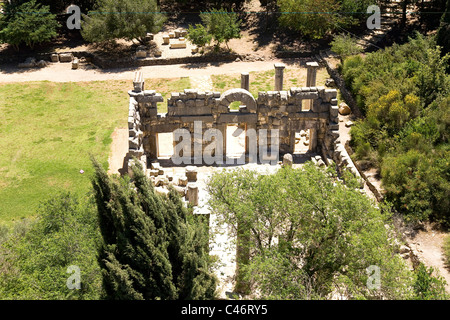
(280, 110)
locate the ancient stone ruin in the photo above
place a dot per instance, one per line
(290, 111)
(313, 108)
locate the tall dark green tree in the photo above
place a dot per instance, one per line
(150, 249)
(28, 23)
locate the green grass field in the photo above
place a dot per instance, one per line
(265, 81)
(48, 130)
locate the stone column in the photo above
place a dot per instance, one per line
(192, 193)
(245, 81)
(311, 73)
(279, 69)
(138, 82)
(312, 140)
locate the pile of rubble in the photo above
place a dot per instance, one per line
(185, 185)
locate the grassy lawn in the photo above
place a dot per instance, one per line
(48, 130)
(265, 81)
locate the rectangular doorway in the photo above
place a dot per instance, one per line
(164, 142)
(302, 141)
(235, 140)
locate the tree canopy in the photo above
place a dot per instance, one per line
(117, 19)
(151, 247)
(308, 235)
(28, 23)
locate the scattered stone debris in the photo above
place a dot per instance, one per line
(330, 83)
(32, 63)
(349, 124)
(287, 160)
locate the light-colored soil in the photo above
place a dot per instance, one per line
(62, 72)
(119, 149)
(427, 244)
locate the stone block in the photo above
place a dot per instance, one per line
(140, 54)
(344, 109)
(180, 190)
(333, 126)
(182, 181)
(329, 94)
(237, 118)
(334, 111)
(190, 103)
(191, 173)
(65, 57)
(166, 39)
(180, 104)
(191, 93)
(178, 45)
(75, 64)
(192, 194)
(54, 57)
(288, 160)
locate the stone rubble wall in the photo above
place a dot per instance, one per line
(271, 110)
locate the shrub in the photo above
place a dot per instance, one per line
(344, 45)
(446, 249)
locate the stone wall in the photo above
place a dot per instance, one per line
(280, 110)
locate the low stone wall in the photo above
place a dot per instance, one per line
(346, 94)
(132, 62)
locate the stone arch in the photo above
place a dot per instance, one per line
(238, 94)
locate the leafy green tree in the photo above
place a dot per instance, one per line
(308, 235)
(199, 35)
(55, 6)
(221, 25)
(117, 19)
(150, 249)
(28, 23)
(35, 256)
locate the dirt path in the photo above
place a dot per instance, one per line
(427, 245)
(119, 149)
(62, 72)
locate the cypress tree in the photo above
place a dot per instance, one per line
(150, 250)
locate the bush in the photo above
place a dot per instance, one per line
(446, 249)
(344, 45)
(428, 287)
